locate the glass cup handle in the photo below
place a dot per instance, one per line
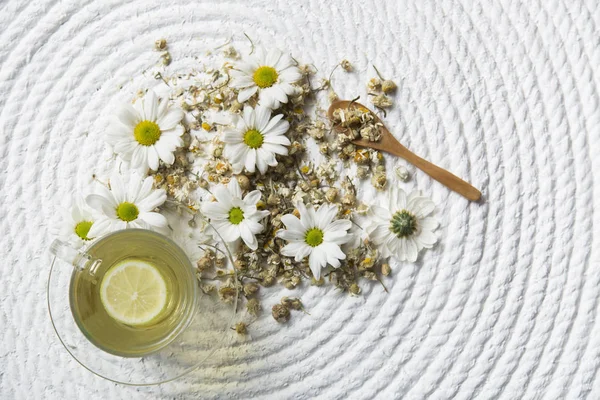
(81, 261)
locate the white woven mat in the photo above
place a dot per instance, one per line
(503, 94)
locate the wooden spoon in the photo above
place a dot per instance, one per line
(389, 144)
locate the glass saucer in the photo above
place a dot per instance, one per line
(208, 331)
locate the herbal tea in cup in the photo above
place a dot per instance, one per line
(138, 298)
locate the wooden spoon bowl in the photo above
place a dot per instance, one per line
(389, 144)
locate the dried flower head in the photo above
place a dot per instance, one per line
(281, 313)
(346, 66)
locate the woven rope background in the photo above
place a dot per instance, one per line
(503, 93)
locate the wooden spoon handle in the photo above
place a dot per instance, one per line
(439, 174)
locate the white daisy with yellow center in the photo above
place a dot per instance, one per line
(235, 217)
(76, 224)
(317, 235)
(271, 74)
(147, 132)
(404, 228)
(256, 139)
(129, 203)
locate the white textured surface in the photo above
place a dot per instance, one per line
(503, 93)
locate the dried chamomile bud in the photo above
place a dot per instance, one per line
(379, 181)
(204, 264)
(293, 303)
(227, 294)
(388, 86)
(241, 328)
(346, 66)
(281, 313)
(374, 84)
(253, 307)
(382, 101)
(160, 44)
(385, 269)
(331, 194)
(250, 288)
(402, 173)
(354, 289)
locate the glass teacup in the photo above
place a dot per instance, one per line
(172, 330)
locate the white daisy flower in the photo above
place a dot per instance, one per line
(129, 203)
(234, 217)
(317, 234)
(146, 132)
(77, 223)
(255, 140)
(404, 228)
(270, 74)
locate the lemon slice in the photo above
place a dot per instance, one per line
(133, 292)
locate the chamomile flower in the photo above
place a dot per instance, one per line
(316, 234)
(146, 132)
(271, 74)
(235, 217)
(255, 140)
(77, 223)
(129, 203)
(404, 228)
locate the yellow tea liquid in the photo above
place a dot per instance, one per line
(116, 337)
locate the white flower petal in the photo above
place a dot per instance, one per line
(249, 117)
(152, 201)
(128, 116)
(290, 75)
(248, 237)
(246, 93)
(234, 188)
(144, 191)
(101, 204)
(275, 148)
(100, 227)
(139, 159)
(223, 196)
(298, 250)
(428, 224)
(170, 119)
(316, 261)
(154, 219)
(261, 161)
(161, 110)
(150, 105)
(152, 158)
(117, 188)
(324, 215)
(215, 210)
(254, 226)
(421, 207)
(250, 162)
(426, 238)
(411, 250)
(253, 197)
(263, 115)
(163, 152)
(291, 236)
(278, 129)
(274, 121)
(292, 223)
(272, 57)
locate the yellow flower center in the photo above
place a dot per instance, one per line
(82, 228)
(253, 138)
(146, 133)
(265, 77)
(314, 237)
(236, 215)
(127, 211)
(403, 224)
